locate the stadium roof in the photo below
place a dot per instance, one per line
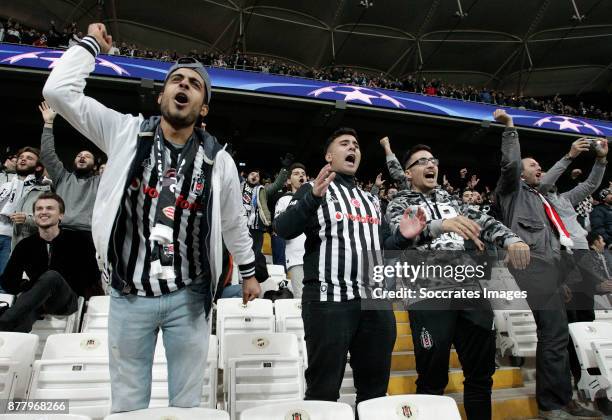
(537, 46)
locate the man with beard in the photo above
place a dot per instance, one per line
(79, 187)
(167, 202)
(8, 169)
(294, 248)
(255, 200)
(16, 199)
(54, 282)
(344, 239)
(533, 217)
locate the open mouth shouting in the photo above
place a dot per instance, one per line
(351, 159)
(181, 99)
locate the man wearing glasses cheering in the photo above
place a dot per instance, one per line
(438, 323)
(158, 222)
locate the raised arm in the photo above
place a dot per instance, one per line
(590, 185)
(393, 165)
(48, 157)
(511, 164)
(64, 88)
(549, 179)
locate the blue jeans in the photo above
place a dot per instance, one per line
(134, 322)
(5, 252)
(278, 251)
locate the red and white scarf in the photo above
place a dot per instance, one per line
(553, 216)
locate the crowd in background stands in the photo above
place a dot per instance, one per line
(54, 37)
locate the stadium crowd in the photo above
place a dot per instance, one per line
(54, 37)
(172, 196)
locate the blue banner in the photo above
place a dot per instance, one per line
(127, 67)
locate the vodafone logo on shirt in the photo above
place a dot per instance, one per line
(370, 220)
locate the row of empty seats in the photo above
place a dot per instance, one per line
(423, 407)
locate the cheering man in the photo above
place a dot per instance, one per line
(167, 201)
(532, 216)
(436, 324)
(344, 236)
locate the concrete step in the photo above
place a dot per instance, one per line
(508, 404)
(404, 382)
(403, 342)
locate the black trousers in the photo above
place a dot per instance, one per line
(553, 379)
(334, 328)
(50, 294)
(472, 334)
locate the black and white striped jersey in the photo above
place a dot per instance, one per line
(130, 251)
(344, 239)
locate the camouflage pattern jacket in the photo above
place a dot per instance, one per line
(446, 249)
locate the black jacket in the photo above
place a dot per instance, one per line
(71, 254)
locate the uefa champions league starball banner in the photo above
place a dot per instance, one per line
(135, 68)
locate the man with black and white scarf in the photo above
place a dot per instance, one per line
(167, 202)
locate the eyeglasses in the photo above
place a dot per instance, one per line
(424, 161)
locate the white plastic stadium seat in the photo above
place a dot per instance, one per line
(17, 351)
(592, 342)
(348, 392)
(288, 313)
(603, 315)
(233, 318)
(52, 324)
(4, 297)
(422, 407)
(43, 417)
(517, 332)
(262, 368)
(74, 367)
(171, 413)
(588, 336)
(96, 316)
(159, 387)
(313, 410)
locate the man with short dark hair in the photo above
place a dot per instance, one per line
(438, 324)
(52, 260)
(79, 187)
(344, 239)
(255, 200)
(294, 248)
(167, 202)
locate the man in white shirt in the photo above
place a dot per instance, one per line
(294, 248)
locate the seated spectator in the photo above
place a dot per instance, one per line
(59, 265)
